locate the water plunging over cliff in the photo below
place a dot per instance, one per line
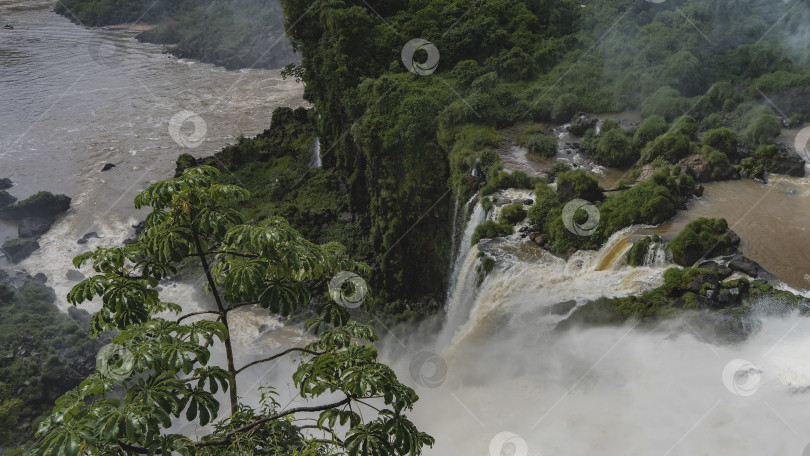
(315, 161)
(601, 390)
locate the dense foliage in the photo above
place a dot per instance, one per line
(43, 353)
(161, 369)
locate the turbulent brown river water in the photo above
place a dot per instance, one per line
(496, 380)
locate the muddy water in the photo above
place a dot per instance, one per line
(772, 220)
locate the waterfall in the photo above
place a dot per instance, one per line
(315, 161)
(658, 255)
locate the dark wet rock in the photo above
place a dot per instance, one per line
(87, 237)
(17, 250)
(43, 204)
(74, 275)
(138, 227)
(581, 123)
(528, 202)
(749, 267)
(32, 227)
(5, 183)
(107, 167)
(6, 199)
(721, 271)
(701, 170)
(788, 166)
(562, 308)
(41, 278)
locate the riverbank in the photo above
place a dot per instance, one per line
(231, 34)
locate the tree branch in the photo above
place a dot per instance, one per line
(251, 426)
(197, 313)
(279, 355)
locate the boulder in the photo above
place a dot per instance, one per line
(749, 267)
(74, 275)
(40, 277)
(87, 237)
(34, 227)
(581, 123)
(107, 167)
(43, 204)
(646, 172)
(788, 166)
(17, 250)
(701, 170)
(6, 199)
(5, 183)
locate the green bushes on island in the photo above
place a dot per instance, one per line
(542, 145)
(491, 229)
(702, 238)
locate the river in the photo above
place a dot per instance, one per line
(76, 98)
(496, 380)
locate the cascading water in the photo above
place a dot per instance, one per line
(658, 254)
(601, 390)
(315, 161)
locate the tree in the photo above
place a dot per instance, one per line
(159, 369)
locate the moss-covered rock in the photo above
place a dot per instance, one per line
(701, 239)
(491, 229)
(578, 184)
(6, 199)
(19, 249)
(44, 204)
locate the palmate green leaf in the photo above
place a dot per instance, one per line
(244, 278)
(283, 296)
(203, 403)
(87, 289)
(69, 439)
(368, 440)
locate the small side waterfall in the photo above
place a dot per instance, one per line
(315, 161)
(658, 255)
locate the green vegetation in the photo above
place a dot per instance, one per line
(542, 145)
(162, 369)
(231, 33)
(690, 289)
(615, 148)
(701, 238)
(513, 213)
(490, 229)
(43, 353)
